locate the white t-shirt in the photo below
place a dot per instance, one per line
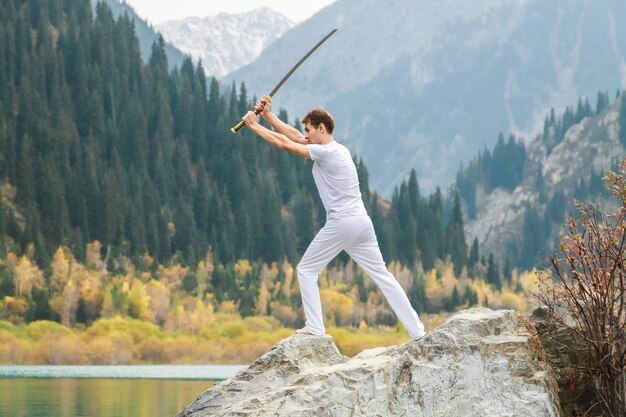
(336, 180)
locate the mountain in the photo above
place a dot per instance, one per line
(146, 34)
(427, 84)
(522, 219)
(226, 42)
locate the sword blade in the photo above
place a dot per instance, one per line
(304, 58)
(241, 124)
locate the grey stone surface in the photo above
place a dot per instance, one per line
(478, 363)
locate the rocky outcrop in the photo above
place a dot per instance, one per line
(588, 148)
(576, 392)
(478, 363)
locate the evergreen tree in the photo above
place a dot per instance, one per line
(507, 273)
(456, 245)
(493, 273)
(474, 254)
(471, 297)
(540, 185)
(602, 101)
(417, 293)
(303, 216)
(534, 236)
(405, 226)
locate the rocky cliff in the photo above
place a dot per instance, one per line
(479, 363)
(588, 147)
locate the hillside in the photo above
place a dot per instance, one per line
(99, 149)
(145, 32)
(517, 201)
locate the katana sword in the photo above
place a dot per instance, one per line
(241, 124)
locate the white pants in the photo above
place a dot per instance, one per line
(355, 235)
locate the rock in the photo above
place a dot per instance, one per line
(576, 393)
(478, 363)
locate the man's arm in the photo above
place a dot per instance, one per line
(263, 105)
(276, 139)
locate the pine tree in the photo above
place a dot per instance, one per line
(540, 185)
(507, 273)
(303, 217)
(456, 245)
(493, 274)
(602, 102)
(474, 255)
(405, 226)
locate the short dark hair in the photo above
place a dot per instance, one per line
(317, 116)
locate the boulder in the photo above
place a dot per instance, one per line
(478, 363)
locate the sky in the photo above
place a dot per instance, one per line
(157, 11)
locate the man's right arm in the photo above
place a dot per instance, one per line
(281, 127)
(275, 138)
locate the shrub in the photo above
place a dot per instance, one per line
(136, 329)
(38, 329)
(111, 349)
(12, 349)
(58, 349)
(583, 292)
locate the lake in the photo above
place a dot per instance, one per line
(104, 391)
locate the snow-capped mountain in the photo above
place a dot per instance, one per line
(427, 84)
(226, 42)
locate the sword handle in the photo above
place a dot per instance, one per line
(241, 124)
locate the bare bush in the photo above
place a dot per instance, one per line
(583, 292)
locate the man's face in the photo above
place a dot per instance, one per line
(313, 134)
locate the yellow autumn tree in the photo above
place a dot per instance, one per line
(337, 307)
(243, 267)
(159, 300)
(176, 319)
(13, 309)
(90, 284)
(93, 255)
(203, 277)
(260, 309)
(139, 302)
(60, 270)
(66, 303)
(172, 277)
(284, 314)
(25, 276)
(200, 317)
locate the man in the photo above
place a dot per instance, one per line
(348, 226)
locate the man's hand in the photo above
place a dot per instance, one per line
(263, 107)
(251, 119)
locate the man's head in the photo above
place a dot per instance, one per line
(318, 125)
(319, 116)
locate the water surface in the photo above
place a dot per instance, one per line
(167, 390)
